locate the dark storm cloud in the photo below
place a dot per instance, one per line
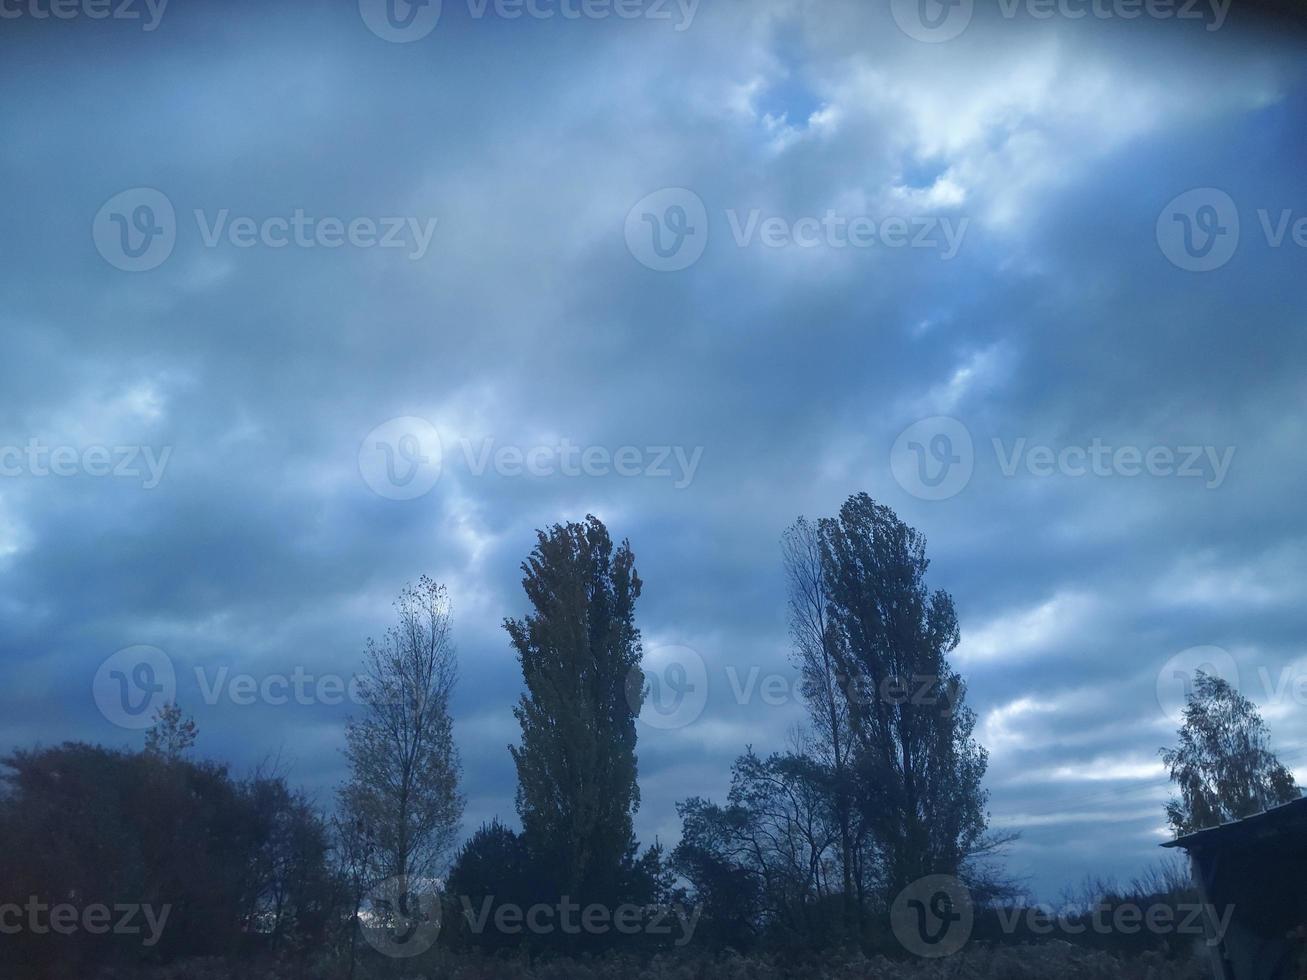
(527, 321)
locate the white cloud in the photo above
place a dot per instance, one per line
(1046, 628)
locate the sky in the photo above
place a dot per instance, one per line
(302, 302)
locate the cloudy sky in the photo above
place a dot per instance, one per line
(302, 302)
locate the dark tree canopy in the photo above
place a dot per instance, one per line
(765, 862)
(229, 866)
(1223, 767)
(580, 654)
(920, 769)
(816, 642)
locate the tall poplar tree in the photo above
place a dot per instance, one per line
(580, 654)
(919, 767)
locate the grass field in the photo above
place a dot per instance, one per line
(1042, 962)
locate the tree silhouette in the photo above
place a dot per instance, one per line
(763, 862)
(815, 639)
(580, 654)
(1223, 766)
(170, 736)
(919, 767)
(404, 768)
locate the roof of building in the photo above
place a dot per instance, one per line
(1288, 817)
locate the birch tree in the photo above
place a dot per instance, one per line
(404, 766)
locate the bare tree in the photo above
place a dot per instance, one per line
(814, 639)
(404, 767)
